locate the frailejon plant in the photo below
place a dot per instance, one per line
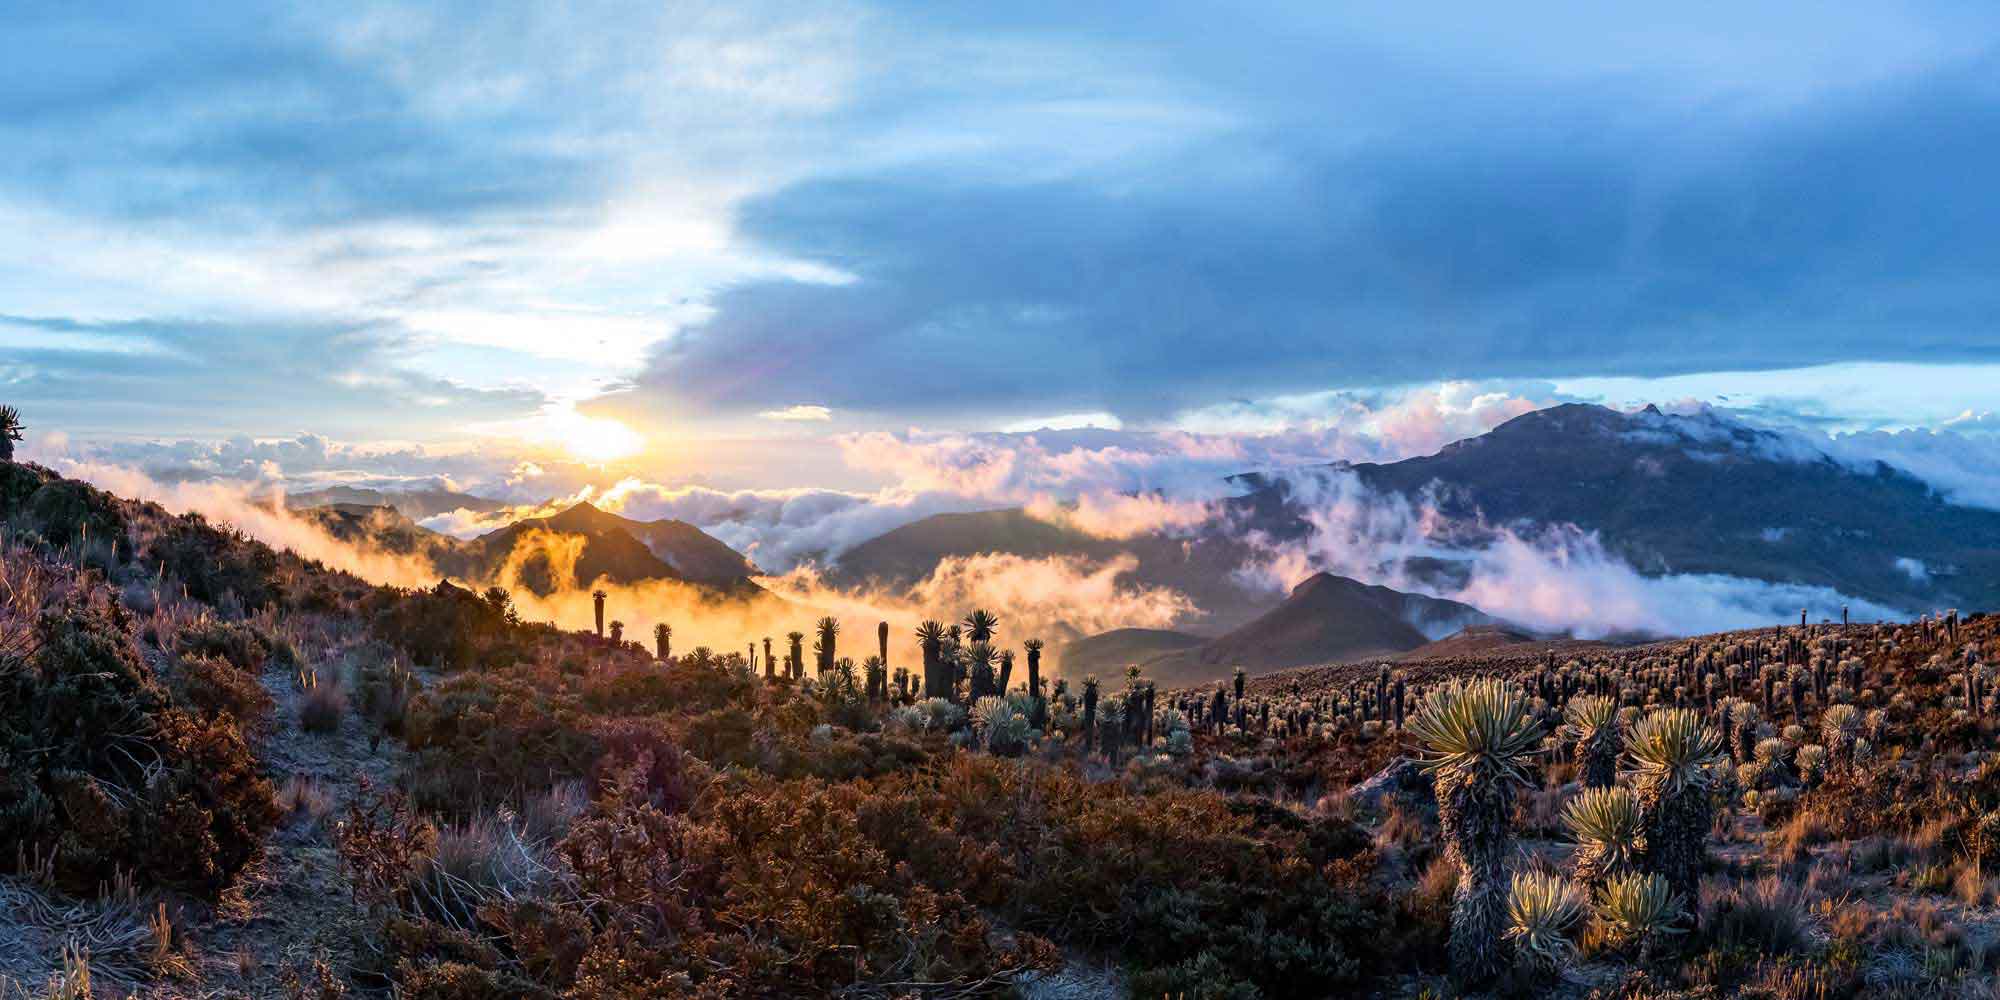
(1672, 751)
(1638, 911)
(1591, 723)
(1610, 833)
(1478, 737)
(1541, 909)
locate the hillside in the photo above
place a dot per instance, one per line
(1199, 566)
(1325, 619)
(615, 548)
(1668, 494)
(247, 775)
(1107, 654)
(1700, 494)
(691, 552)
(414, 504)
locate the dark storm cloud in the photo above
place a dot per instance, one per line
(1504, 227)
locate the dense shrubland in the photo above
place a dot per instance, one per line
(1805, 811)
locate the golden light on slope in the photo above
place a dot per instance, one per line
(590, 439)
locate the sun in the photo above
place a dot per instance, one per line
(590, 439)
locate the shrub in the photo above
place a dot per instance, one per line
(1766, 917)
(447, 626)
(484, 739)
(383, 687)
(106, 775)
(214, 687)
(770, 889)
(214, 562)
(239, 644)
(1203, 977)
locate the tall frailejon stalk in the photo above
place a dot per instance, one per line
(597, 597)
(930, 636)
(1591, 723)
(1038, 713)
(1089, 713)
(1671, 752)
(1477, 737)
(795, 668)
(828, 630)
(10, 432)
(979, 660)
(663, 642)
(882, 643)
(980, 626)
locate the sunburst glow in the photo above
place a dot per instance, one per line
(589, 439)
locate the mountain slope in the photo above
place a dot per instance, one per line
(1200, 566)
(1326, 619)
(1700, 494)
(576, 547)
(1107, 653)
(413, 504)
(1331, 618)
(692, 552)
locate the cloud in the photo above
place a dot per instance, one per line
(1551, 577)
(1465, 224)
(1961, 461)
(1055, 599)
(155, 375)
(799, 413)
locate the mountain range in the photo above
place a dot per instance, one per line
(1325, 619)
(609, 547)
(1668, 494)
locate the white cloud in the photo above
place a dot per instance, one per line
(799, 413)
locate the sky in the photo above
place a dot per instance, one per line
(795, 253)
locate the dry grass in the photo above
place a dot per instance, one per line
(322, 702)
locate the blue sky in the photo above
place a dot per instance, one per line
(739, 229)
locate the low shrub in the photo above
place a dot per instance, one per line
(214, 687)
(238, 643)
(107, 775)
(486, 739)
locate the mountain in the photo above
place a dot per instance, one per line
(1199, 566)
(692, 552)
(1702, 494)
(609, 547)
(1107, 653)
(1326, 619)
(1668, 494)
(615, 548)
(413, 504)
(388, 529)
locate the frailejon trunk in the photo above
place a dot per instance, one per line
(1473, 819)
